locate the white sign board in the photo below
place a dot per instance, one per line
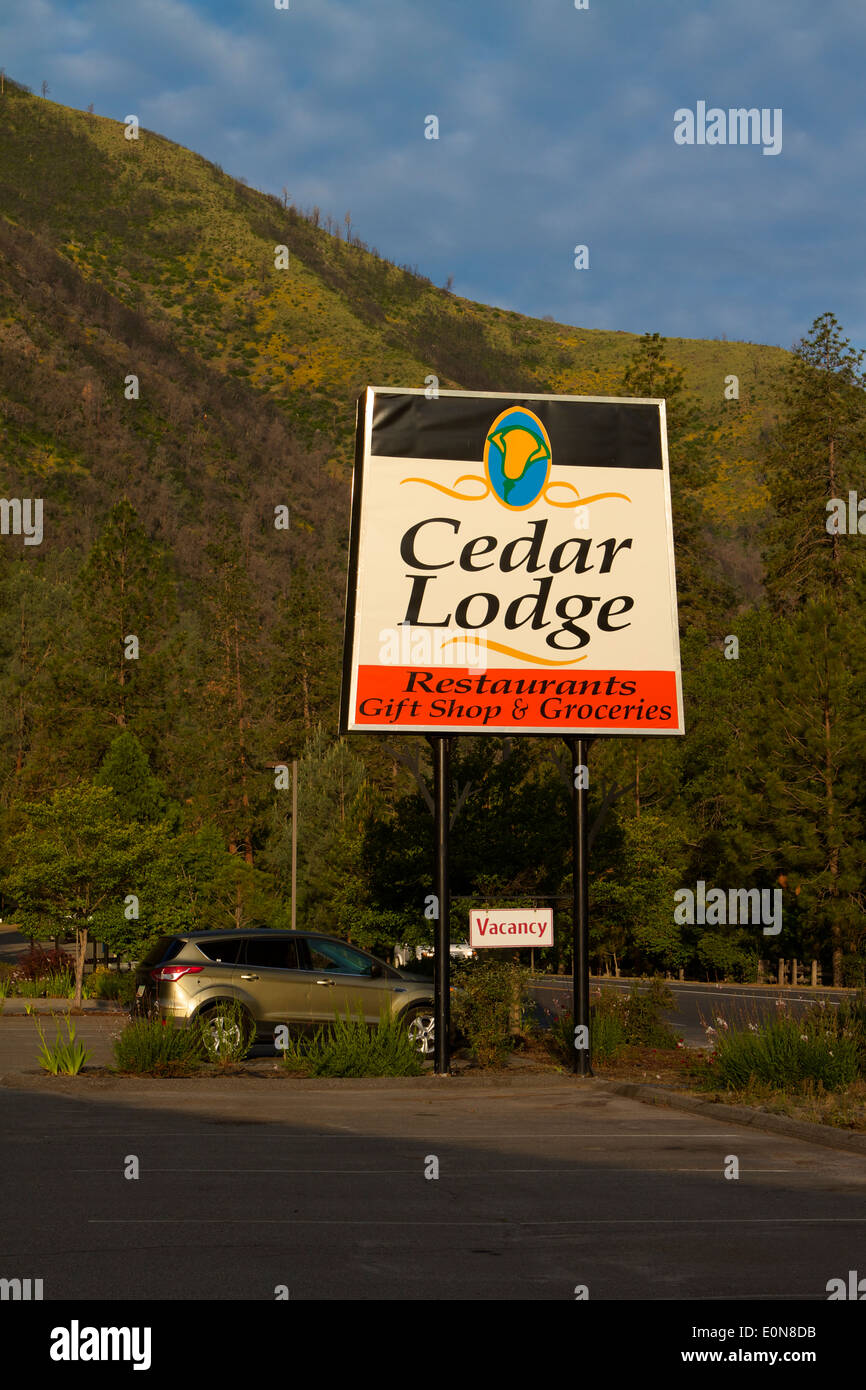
(511, 567)
(511, 926)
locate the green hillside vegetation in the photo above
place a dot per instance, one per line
(137, 258)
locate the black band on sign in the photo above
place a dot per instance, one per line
(583, 434)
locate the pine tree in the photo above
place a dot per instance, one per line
(305, 671)
(816, 582)
(112, 667)
(700, 588)
(125, 770)
(32, 615)
(232, 745)
(818, 453)
(795, 786)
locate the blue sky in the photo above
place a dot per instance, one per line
(556, 128)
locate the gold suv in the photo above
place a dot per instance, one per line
(302, 979)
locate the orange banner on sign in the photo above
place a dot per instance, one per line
(410, 697)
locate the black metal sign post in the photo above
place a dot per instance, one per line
(579, 749)
(442, 957)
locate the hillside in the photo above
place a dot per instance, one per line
(124, 259)
(123, 254)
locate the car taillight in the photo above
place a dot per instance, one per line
(174, 972)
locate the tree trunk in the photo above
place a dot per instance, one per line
(837, 967)
(835, 929)
(239, 694)
(80, 953)
(306, 691)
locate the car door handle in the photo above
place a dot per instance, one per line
(249, 977)
(326, 982)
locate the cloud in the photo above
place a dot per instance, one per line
(556, 127)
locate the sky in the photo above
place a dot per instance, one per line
(556, 129)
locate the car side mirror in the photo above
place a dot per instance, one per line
(376, 972)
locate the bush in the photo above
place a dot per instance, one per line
(38, 964)
(489, 1007)
(619, 1020)
(641, 1009)
(789, 1054)
(850, 1023)
(351, 1048)
(853, 971)
(607, 1035)
(155, 1047)
(110, 984)
(732, 955)
(65, 1056)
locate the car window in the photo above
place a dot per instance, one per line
(272, 952)
(223, 950)
(337, 957)
(166, 948)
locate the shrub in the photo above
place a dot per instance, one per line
(641, 1009)
(618, 1020)
(155, 1047)
(489, 1007)
(65, 1056)
(111, 984)
(854, 971)
(850, 1022)
(38, 964)
(732, 955)
(351, 1048)
(789, 1054)
(607, 1035)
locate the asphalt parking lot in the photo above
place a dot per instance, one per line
(465, 1187)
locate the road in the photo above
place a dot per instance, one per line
(698, 1006)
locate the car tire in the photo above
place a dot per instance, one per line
(421, 1027)
(215, 1021)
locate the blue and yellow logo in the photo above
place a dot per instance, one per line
(517, 461)
(517, 458)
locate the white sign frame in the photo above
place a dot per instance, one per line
(629, 562)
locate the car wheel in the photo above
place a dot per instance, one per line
(227, 1030)
(421, 1027)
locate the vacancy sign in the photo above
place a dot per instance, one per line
(522, 926)
(511, 567)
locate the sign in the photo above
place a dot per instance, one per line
(511, 567)
(519, 926)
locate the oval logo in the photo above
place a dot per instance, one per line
(517, 457)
